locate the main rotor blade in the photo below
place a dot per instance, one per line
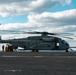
(68, 37)
(34, 32)
(43, 33)
(10, 32)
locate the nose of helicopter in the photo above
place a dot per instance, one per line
(67, 45)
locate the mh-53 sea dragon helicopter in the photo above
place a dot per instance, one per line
(46, 41)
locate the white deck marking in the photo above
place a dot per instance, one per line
(12, 70)
(5, 56)
(55, 56)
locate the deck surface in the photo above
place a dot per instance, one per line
(32, 63)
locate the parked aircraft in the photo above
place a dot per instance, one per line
(46, 41)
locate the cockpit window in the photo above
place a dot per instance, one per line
(63, 41)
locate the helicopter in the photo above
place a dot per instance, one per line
(46, 41)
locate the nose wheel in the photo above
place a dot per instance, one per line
(66, 50)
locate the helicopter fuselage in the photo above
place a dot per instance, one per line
(39, 43)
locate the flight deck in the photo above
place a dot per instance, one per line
(37, 63)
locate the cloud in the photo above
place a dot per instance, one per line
(13, 1)
(68, 2)
(56, 21)
(64, 21)
(16, 7)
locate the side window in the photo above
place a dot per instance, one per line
(57, 44)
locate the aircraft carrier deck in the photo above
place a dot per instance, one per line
(41, 63)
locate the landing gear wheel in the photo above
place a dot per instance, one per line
(66, 50)
(35, 51)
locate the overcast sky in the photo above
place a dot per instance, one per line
(38, 15)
